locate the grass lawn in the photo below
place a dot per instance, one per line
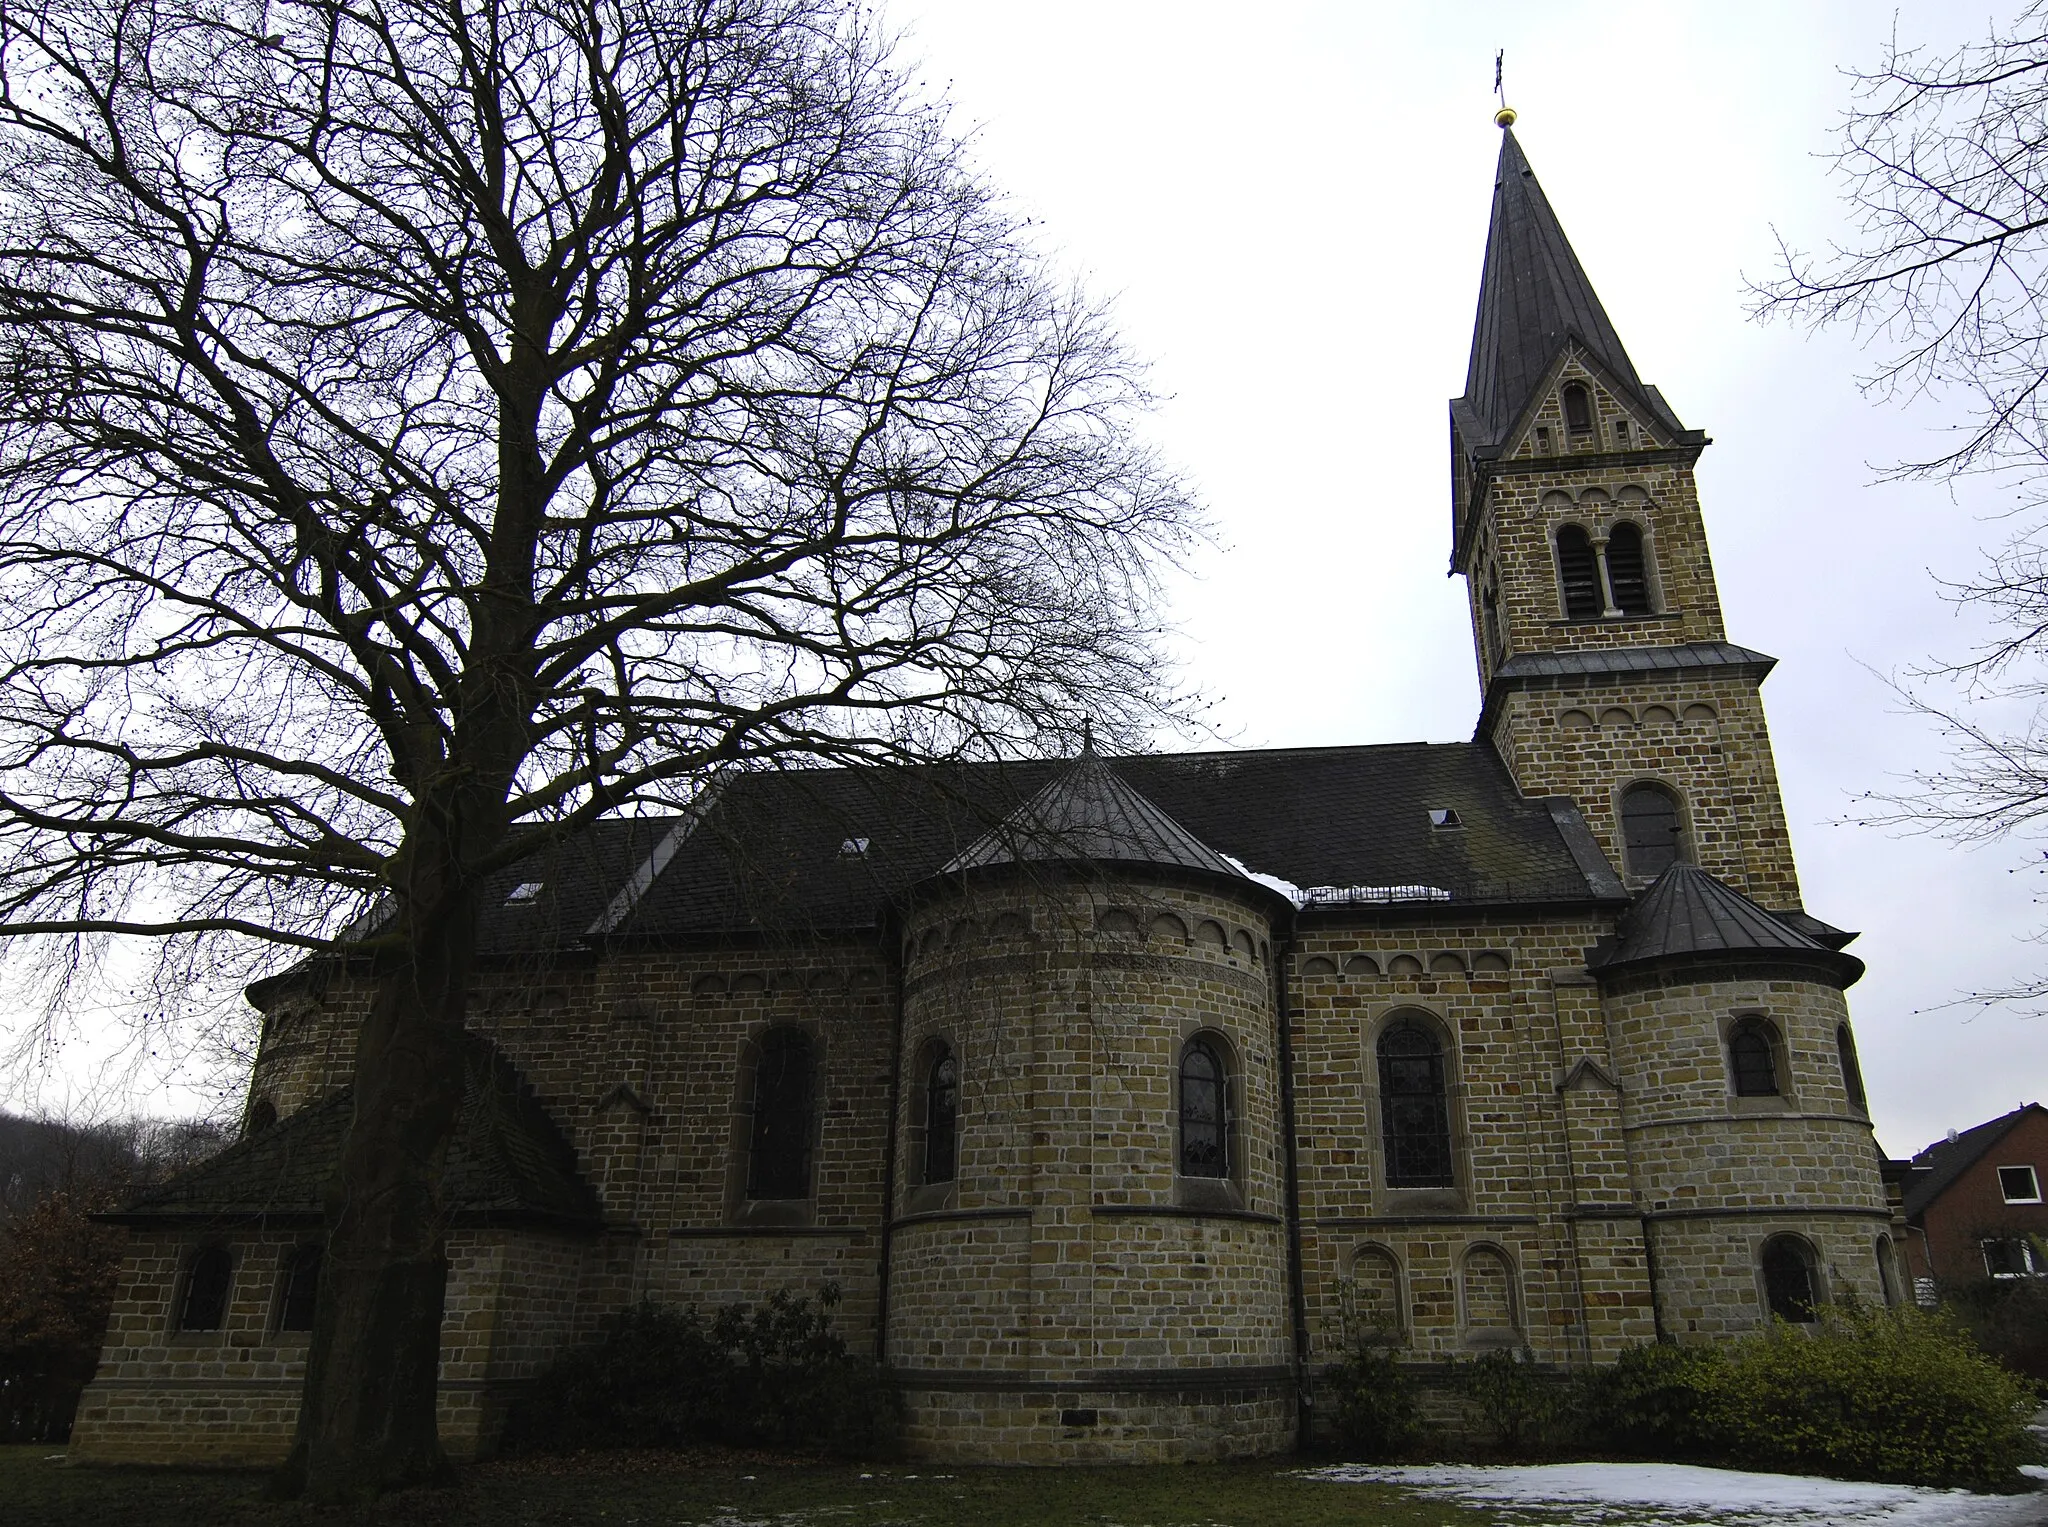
(623, 1489)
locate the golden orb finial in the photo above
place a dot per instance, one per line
(1505, 117)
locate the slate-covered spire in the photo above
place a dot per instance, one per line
(1534, 297)
(1089, 815)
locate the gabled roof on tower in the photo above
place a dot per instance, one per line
(1088, 814)
(1534, 299)
(1687, 912)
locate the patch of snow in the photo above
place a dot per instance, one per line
(1373, 895)
(1286, 888)
(1685, 1495)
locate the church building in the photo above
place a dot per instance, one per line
(1118, 1094)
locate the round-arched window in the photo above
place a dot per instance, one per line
(1791, 1288)
(1204, 1134)
(1651, 834)
(1752, 1058)
(1415, 1114)
(1852, 1073)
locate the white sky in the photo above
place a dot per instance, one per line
(1289, 203)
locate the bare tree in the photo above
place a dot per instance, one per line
(1942, 161)
(428, 426)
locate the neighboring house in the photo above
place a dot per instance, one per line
(1974, 1206)
(1116, 1093)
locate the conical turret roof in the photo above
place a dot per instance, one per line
(1534, 297)
(1087, 814)
(1686, 911)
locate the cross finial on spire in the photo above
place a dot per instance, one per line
(1505, 117)
(1087, 737)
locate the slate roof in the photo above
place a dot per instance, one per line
(1935, 1169)
(1687, 912)
(776, 852)
(1534, 297)
(508, 1163)
(1605, 660)
(1087, 814)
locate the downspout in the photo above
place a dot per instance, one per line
(889, 1164)
(1304, 1409)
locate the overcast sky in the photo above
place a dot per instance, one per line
(1288, 203)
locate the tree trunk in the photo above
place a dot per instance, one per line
(367, 1415)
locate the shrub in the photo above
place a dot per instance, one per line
(2008, 1318)
(1873, 1394)
(1515, 1403)
(1656, 1401)
(1373, 1399)
(775, 1375)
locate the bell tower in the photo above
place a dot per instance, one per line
(1606, 671)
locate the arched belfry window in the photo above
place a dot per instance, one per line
(1578, 574)
(1651, 834)
(204, 1305)
(1628, 572)
(941, 1115)
(1753, 1059)
(1415, 1112)
(1578, 408)
(1791, 1288)
(1204, 1119)
(779, 1143)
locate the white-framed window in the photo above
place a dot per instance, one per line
(2019, 1184)
(2014, 1258)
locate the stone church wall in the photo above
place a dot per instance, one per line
(1069, 1273)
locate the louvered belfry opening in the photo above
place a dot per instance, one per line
(779, 1161)
(1578, 571)
(1628, 572)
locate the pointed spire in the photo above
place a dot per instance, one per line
(1534, 297)
(1088, 815)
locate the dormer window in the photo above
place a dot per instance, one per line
(1578, 408)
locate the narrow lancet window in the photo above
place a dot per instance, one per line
(1204, 1142)
(301, 1294)
(941, 1116)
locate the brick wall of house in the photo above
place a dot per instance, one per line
(1949, 1244)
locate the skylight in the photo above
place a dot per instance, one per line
(526, 890)
(1444, 816)
(853, 848)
